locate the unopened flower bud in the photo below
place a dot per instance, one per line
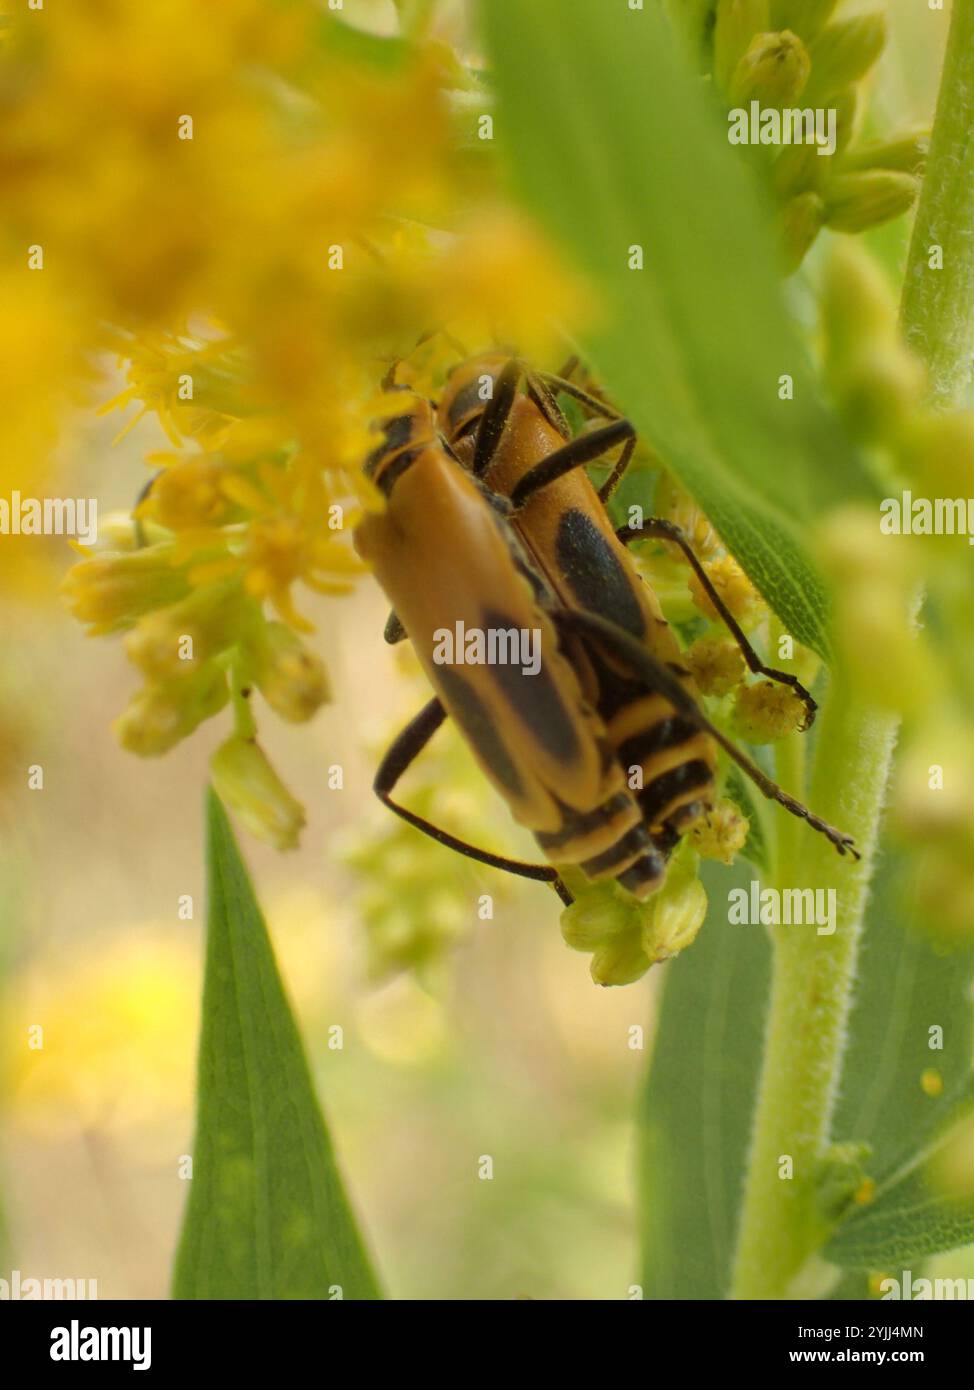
(175, 641)
(805, 17)
(773, 71)
(857, 306)
(161, 714)
(735, 24)
(598, 915)
(620, 961)
(905, 153)
(247, 784)
(879, 393)
(802, 219)
(676, 913)
(854, 202)
(940, 449)
(112, 591)
(843, 53)
(291, 679)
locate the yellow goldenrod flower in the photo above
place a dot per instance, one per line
(733, 586)
(716, 664)
(767, 711)
(722, 834)
(175, 641)
(110, 591)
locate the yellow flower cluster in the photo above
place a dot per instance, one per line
(800, 54)
(254, 208)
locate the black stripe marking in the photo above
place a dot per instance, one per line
(594, 573)
(578, 823)
(476, 722)
(666, 733)
(467, 399)
(687, 814)
(631, 843)
(388, 478)
(536, 700)
(655, 797)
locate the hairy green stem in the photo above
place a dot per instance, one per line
(811, 995)
(813, 975)
(937, 302)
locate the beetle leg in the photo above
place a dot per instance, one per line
(494, 417)
(559, 381)
(537, 388)
(669, 531)
(405, 749)
(584, 448)
(661, 678)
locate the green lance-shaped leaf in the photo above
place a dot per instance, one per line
(267, 1217)
(914, 1213)
(696, 1112)
(624, 158)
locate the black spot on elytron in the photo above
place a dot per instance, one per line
(476, 722)
(396, 434)
(466, 400)
(536, 700)
(631, 843)
(577, 823)
(689, 776)
(390, 476)
(665, 733)
(594, 574)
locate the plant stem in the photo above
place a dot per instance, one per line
(937, 304)
(813, 975)
(811, 995)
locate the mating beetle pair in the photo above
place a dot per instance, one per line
(491, 522)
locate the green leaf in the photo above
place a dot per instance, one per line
(613, 145)
(909, 1217)
(266, 1217)
(905, 987)
(696, 1112)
